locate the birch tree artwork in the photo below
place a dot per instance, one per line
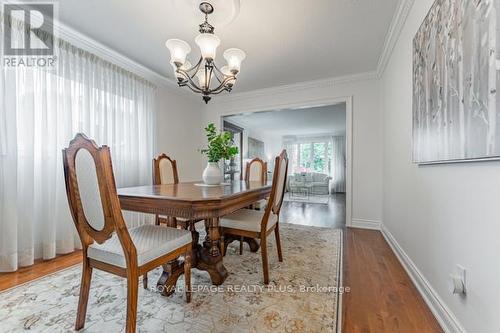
(456, 62)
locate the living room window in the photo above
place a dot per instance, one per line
(312, 157)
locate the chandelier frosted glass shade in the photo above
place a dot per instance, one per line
(227, 72)
(179, 50)
(205, 77)
(185, 66)
(234, 57)
(208, 44)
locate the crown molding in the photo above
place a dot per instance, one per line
(296, 87)
(89, 44)
(82, 41)
(395, 28)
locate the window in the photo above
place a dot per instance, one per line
(311, 157)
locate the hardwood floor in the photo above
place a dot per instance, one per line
(382, 297)
(39, 269)
(318, 215)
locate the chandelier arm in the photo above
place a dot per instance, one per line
(217, 68)
(218, 73)
(222, 90)
(218, 80)
(194, 89)
(224, 75)
(185, 74)
(193, 86)
(221, 87)
(196, 67)
(209, 79)
(217, 77)
(189, 82)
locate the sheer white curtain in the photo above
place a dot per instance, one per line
(338, 163)
(41, 110)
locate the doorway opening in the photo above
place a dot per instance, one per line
(316, 139)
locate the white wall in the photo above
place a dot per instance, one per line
(367, 138)
(272, 144)
(441, 215)
(179, 129)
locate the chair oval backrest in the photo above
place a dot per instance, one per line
(256, 170)
(91, 190)
(165, 170)
(88, 187)
(279, 181)
(278, 188)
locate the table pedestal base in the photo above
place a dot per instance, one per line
(252, 243)
(212, 264)
(205, 258)
(168, 280)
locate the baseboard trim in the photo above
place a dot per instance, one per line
(340, 276)
(449, 323)
(365, 224)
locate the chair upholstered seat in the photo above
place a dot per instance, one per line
(151, 242)
(247, 219)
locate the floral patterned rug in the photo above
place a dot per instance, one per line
(302, 296)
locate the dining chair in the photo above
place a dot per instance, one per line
(107, 243)
(256, 170)
(260, 224)
(165, 172)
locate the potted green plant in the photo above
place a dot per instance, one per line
(220, 146)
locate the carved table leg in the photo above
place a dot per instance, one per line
(206, 242)
(171, 270)
(252, 243)
(209, 257)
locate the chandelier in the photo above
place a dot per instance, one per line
(211, 79)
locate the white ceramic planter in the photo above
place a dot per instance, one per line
(212, 174)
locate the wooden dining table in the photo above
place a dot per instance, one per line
(195, 201)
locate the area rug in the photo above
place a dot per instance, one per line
(313, 198)
(303, 295)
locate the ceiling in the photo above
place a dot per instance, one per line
(286, 41)
(300, 122)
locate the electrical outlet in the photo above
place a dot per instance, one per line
(458, 281)
(461, 272)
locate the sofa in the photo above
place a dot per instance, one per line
(318, 182)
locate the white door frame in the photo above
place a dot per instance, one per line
(311, 104)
